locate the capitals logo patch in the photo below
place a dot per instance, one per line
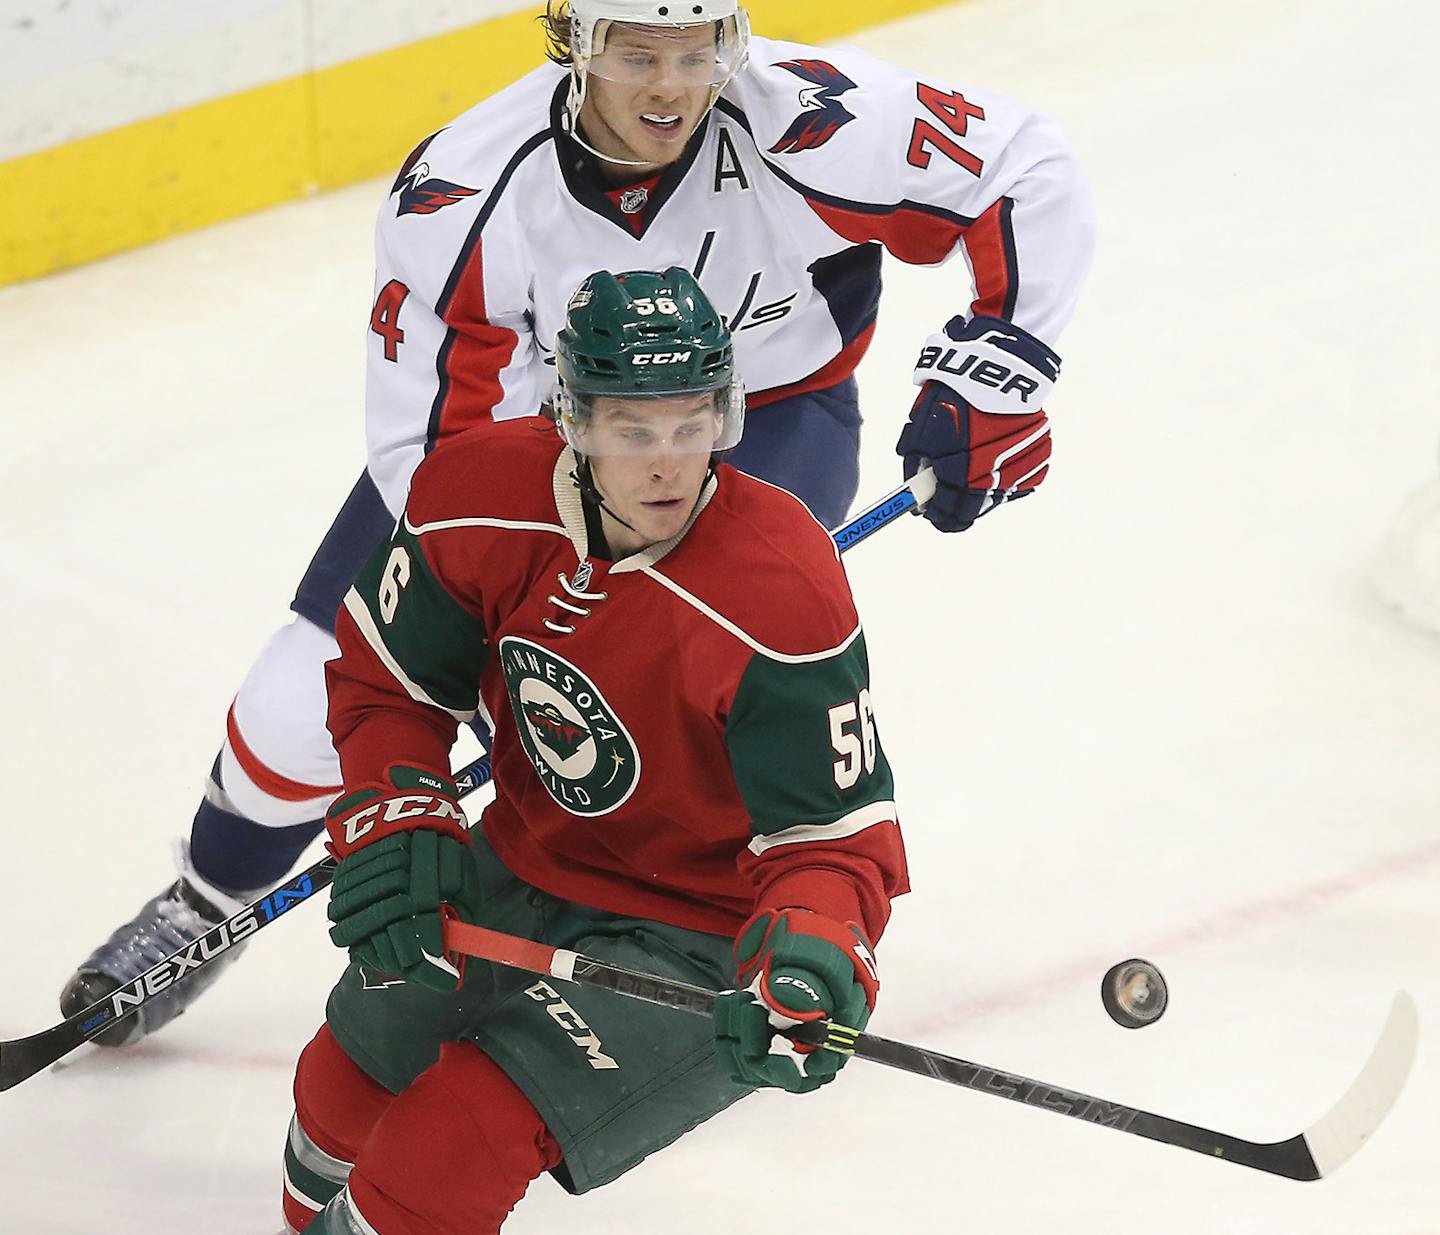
(823, 114)
(420, 193)
(582, 752)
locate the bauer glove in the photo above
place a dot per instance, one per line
(979, 419)
(404, 854)
(795, 966)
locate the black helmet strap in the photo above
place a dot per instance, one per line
(593, 499)
(584, 480)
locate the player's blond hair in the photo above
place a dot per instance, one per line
(556, 20)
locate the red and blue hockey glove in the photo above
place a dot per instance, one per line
(794, 966)
(979, 420)
(404, 854)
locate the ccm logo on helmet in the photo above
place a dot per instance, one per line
(654, 358)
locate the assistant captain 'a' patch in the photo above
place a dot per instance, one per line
(580, 749)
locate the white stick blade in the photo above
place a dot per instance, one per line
(1341, 1131)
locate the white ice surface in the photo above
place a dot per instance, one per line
(1152, 711)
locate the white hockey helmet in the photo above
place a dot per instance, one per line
(590, 22)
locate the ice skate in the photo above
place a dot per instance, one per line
(166, 923)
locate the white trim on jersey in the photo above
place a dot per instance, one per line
(514, 525)
(571, 508)
(749, 640)
(356, 608)
(847, 825)
(651, 555)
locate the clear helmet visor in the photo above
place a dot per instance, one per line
(707, 55)
(649, 425)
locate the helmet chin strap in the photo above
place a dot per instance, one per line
(572, 129)
(579, 91)
(584, 480)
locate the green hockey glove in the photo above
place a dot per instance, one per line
(404, 854)
(794, 966)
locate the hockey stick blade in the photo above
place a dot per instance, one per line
(1315, 1153)
(1335, 1137)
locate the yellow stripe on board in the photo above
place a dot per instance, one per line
(128, 186)
(370, 113)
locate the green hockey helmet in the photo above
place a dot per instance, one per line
(633, 340)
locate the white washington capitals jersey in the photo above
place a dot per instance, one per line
(810, 162)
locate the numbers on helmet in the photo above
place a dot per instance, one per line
(647, 306)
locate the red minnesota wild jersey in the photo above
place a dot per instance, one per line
(685, 734)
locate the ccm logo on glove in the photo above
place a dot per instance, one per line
(787, 980)
(407, 806)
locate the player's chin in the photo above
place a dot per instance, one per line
(654, 154)
(665, 519)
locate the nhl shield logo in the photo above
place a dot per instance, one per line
(633, 201)
(583, 754)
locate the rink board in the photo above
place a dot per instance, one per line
(144, 171)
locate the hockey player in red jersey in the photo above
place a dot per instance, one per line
(660, 136)
(688, 779)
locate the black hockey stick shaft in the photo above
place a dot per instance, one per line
(22, 1058)
(1344, 1129)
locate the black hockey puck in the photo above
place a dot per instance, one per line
(1134, 993)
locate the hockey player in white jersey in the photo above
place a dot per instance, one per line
(660, 135)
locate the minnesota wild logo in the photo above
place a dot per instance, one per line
(581, 751)
(553, 731)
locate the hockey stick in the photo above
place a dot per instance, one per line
(1317, 1152)
(21, 1058)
